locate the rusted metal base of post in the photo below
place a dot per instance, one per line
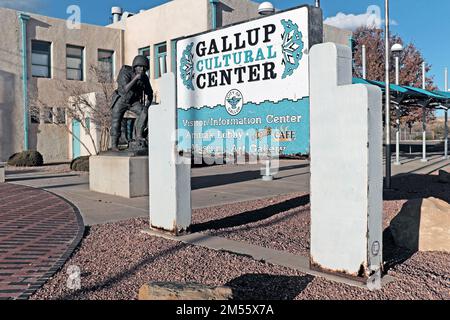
(317, 268)
(174, 232)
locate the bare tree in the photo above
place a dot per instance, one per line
(410, 67)
(78, 105)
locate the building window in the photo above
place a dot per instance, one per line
(74, 59)
(145, 52)
(160, 59)
(106, 64)
(34, 115)
(40, 59)
(88, 124)
(48, 115)
(61, 115)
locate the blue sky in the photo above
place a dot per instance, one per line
(426, 23)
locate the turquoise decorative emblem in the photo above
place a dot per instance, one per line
(187, 67)
(234, 101)
(292, 47)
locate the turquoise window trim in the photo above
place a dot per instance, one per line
(141, 51)
(23, 25)
(157, 55)
(173, 62)
(352, 44)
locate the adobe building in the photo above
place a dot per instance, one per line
(56, 54)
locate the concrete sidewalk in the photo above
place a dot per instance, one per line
(276, 257)
(211, 186)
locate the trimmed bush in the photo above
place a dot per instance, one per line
(80, 164)
(26, 159)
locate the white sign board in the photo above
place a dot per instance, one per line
(252, 75)
(264, 59)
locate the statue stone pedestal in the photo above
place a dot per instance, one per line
(2, 172)
(119, 174)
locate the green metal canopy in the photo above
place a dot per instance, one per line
(411, 96)
(443, 93)
(427, 93)
(380, 84)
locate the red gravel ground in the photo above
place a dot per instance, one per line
(116, 259)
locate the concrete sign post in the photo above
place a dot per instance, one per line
(2, 172)
(346, 168)
(169, 174)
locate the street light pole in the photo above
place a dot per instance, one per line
(396, 50)
(446, 79)
(397, 70)
(424, 118)
(424, 71)
(397, 132)
(446, 117)
(364, 62)
(388, 98)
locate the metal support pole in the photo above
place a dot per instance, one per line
(424, 75)
(397, 120)
(397, 70)
(318, 3)
(424, 136)
(23, 23)
(364, 62)
(388, 99)
(446, 79)
(268, 174)
(446, 136)
(424, 119)
(214, 13)
(446, 118)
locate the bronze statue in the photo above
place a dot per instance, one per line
(134, 93)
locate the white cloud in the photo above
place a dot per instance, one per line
(372, 18)
(25, 5)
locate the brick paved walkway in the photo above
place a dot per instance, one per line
(38, 232)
